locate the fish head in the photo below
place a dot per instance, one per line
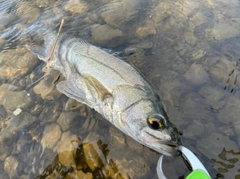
(150, 126)
(160, 135)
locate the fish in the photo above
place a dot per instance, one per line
(112, 87)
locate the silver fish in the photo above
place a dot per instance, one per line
(113, 88)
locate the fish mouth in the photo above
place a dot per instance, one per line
(171, 148)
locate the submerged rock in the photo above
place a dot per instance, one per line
(66, 158)
(16, 62)
(213, 96)
(66, 118)
(222, 30)
(47, 87)
(76, 6)
(92, 157)
(146, 29)
(104, 35)
(15, 125)
(79, 175)
(67, 142)
(230, 111)
(11, 97)
(26, 11)
(196, 75)
(51, 135)
(220, 71)
(11, 166)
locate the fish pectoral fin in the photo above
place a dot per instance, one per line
(71, 90)
(96, 87)
(39, 51)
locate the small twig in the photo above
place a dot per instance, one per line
(53, 47)
(51, 53)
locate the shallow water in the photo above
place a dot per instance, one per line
(189, 50)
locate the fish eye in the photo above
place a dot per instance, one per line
(155, 122)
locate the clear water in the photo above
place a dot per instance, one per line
(189, 50)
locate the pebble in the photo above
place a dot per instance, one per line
(119, 13)
(10, 166)
(76, 6)
(24, 9)
(185, 9)
(213, 96)
(66, 158)
(17, 111)
(230, 111)
(103, 35)
(196, 75)
(198, 19)
(147, 29)
(51, 135)
(52, 109)
(220, 70)
(67, 142)
(66, 118)
(11, 97)
(15, 126)
(16, 62)
(92, 157)
(79, 175)
(190, 38)
(198, 54)
(47, 87)
(221, 31)
(42, 3)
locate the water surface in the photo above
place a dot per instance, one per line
(189, 50)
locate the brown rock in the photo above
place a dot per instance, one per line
(10, 166)
(219, 71)
(92, 158)
(147, 29)
(104, 35)
(66, 118)
(47, 87)
(11, 97)
(27, 12)
(16, 62)
(76, 6)
(79, 175)
(67, 142)
(66, 158)
(51, 135)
